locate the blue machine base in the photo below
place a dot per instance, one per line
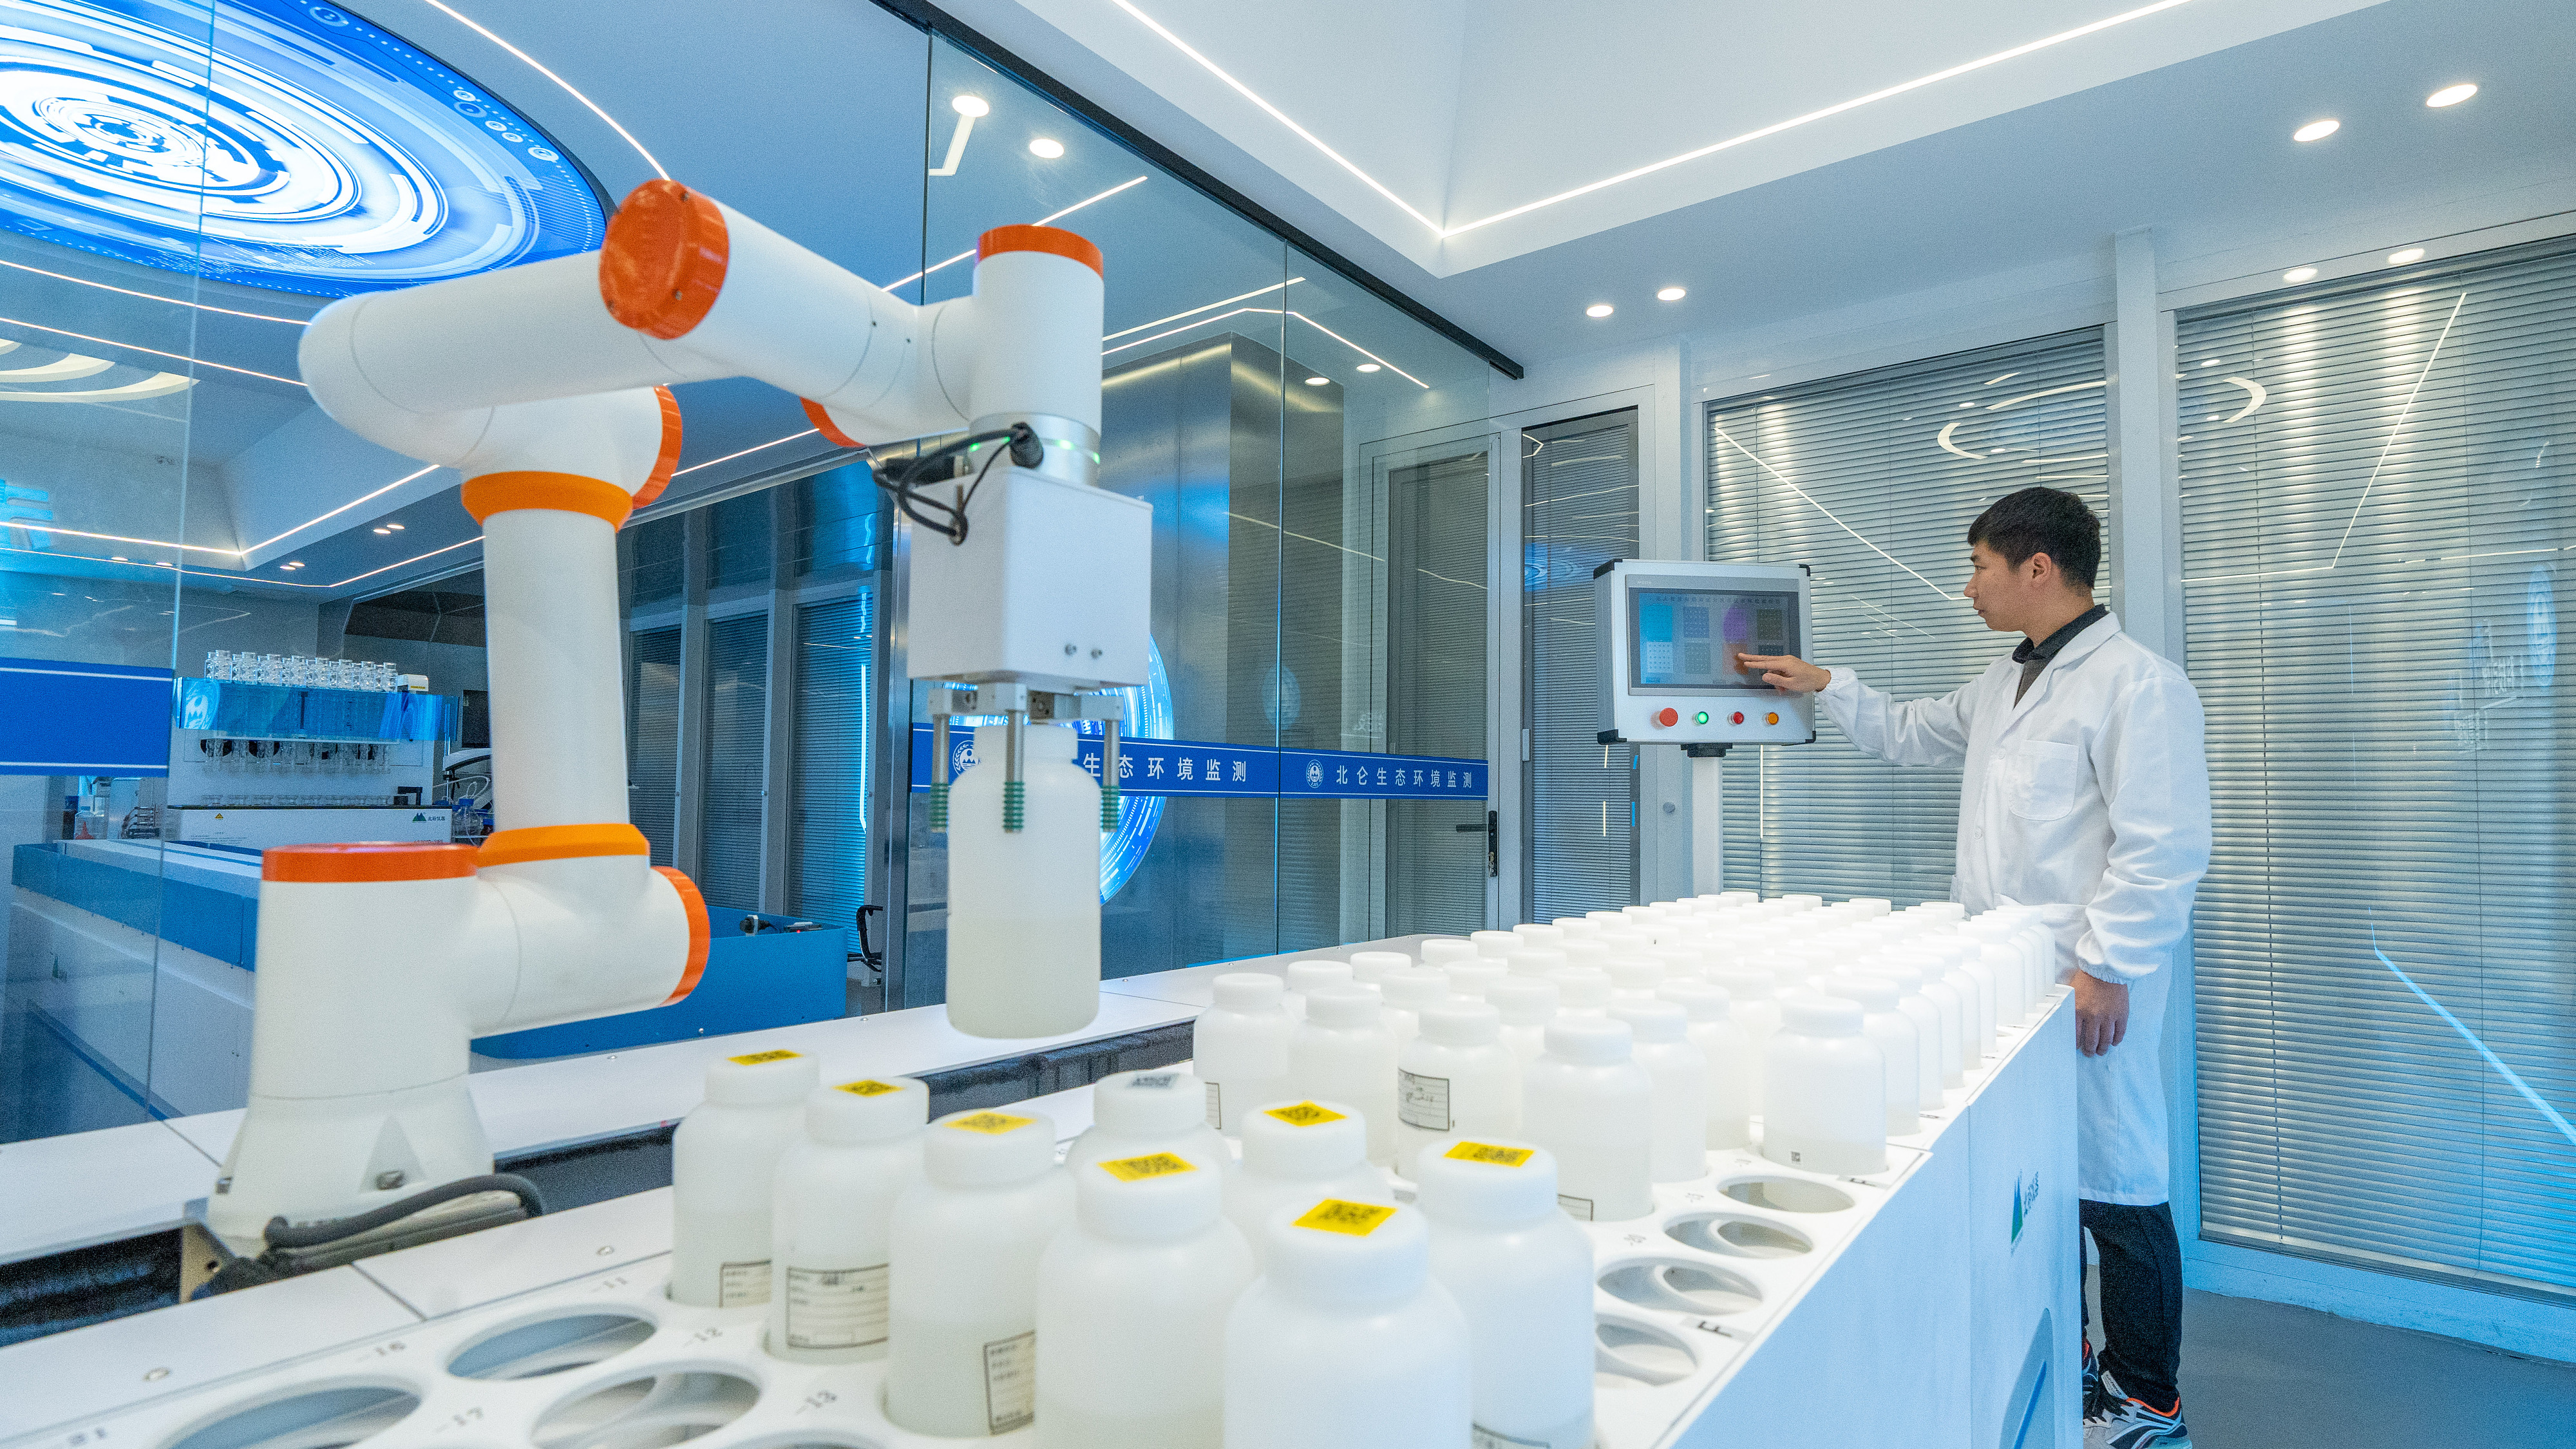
(777, 978)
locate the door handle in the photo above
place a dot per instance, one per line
(872, 956)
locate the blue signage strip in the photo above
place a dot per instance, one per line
(1189, 767)
(68, 718)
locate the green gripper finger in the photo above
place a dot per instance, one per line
(939, 805)
(1109, 809)
(1014, 804)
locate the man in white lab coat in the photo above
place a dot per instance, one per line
(2086, 794)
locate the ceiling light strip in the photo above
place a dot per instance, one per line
(1041, 221)
(531, 61)
(754, 448)
(154, 296)
(1194, 311)
(1189, 327)
(155, 351)
(415, 558)
(33, 525)
(1362, 351)
(1276, 114)
(336, 512)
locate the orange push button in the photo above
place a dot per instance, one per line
(1668, 717)
(1771, 718)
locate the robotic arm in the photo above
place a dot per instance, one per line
(548, 387)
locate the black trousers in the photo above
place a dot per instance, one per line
(2141, 1298)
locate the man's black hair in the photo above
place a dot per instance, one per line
(2042, 520)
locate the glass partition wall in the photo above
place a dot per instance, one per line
(177, 509)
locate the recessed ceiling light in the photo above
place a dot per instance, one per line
(384, 530)
(1317, 381)
(1671, 294)
(2450, 95)
(2316, 130)
(395, 527)
(2299, 274)
(2403, 255)
(1598, 309)
(971, 106)
(116, 558)
(292, 564)
(1368, 367)
(1046, 148)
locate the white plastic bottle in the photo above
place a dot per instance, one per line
(961, 1348)
(1468, 979)
(1577, 928)
(1305, 978)
(1582, 990)
(833, 1202)
(1160, 1110)
(1521, 1272)
(1592, 1107)
(1825, 1104)
(1446, 950)
(1937, 990)
(1540, 933)
(1587, 951)
(1239, 1047)
(1926, 1017)
(1679, 1072)
(1732, 1057)
(1528, 1004)
(1024, 905)
(1132, 1300)
(1887, 1029)
(1454, 1079)
(1535, 960)
(1406, 993)
(1342, 1052)
(1345, 1342)
(1370, 968)
(1634, 978)
(1295, 1153)
(1495, 944)
(724, 1159)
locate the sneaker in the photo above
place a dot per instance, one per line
(2119, 1423)
(2092, 1381)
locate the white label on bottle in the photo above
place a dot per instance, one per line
(1422, 1101)
(1011, 1382)
(836, 1307)
(1480, 1437)
(740, 1285)
(1216, 1105)
(1579, 1208)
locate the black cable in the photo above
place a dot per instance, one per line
(898, 479)
(282, 1234)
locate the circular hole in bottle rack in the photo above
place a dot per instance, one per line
(550, 1345)
(1635, 1356)
(327, 1417)
(1788, 1195)
(1671, 1286)
(647, 1411)
(1738, 1237)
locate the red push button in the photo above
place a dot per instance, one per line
(1736, 718)
(1668, 717)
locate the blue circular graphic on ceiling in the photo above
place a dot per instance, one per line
(1149, 717)
(326, 156)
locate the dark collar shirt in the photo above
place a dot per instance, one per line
(2034, 657)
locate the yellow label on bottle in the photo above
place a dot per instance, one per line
(1152, 1164)
(867, 1087)
(1488, 1152)
(1305, 1114)
(992, 1123)
(1333, 1215)
(753, 1059)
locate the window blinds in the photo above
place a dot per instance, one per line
(2377, 522)
(836, 648)
(737, 751)
(1580, 511)
(1871, 481)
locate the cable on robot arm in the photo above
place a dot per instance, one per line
(902, 479)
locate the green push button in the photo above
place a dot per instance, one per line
(1700, 718)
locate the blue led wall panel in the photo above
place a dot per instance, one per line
(67, 718)
(312, 153)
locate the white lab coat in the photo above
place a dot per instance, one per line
(2090, 800)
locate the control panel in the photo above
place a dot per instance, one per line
(1672, 640)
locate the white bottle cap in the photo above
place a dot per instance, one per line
(1590, 951)
(1462, 1023)
(1636, 973)
(1820, 1016)
(1582, 988)
(1605, 917)
(1495, 944)
(1744, 983)
(987, 1148)
(1152, 1198)
(1249, 991)
(1163, 1102)
(1591, 1041)
(1469, 979)
(1523, 1000)
(1640, 913)
(762, 1079)
(1625, 942)
(1535, 960)
(1805, 902)
(1345, 1007)
(1372, 966)
(1908, 980)
(1415, 988)
(1346, 1254)
(1874, 905)
(1304, 1141)
(1704, 1000)
(1654, 1020)
(1309, 976)
(1577, 928)
(1486, 1182)
(867, 1110)
(1441, 950)
(1871, 993)
(1540, 933)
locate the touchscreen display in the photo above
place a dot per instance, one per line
(1693, 638)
